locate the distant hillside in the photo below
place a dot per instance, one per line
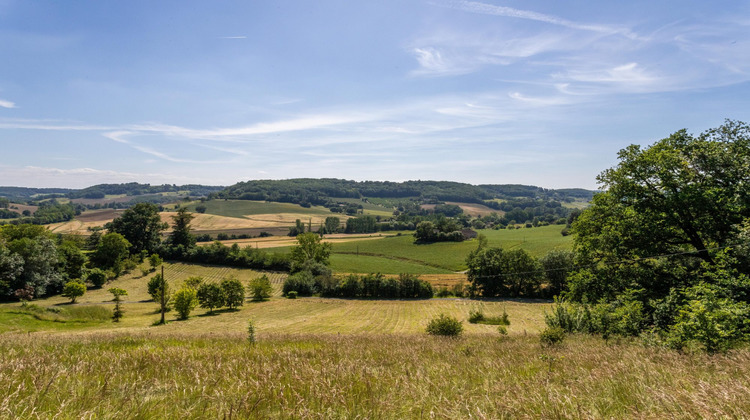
(322, 191)
(23, 193)
(134, 188)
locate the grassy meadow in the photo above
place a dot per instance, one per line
(399, 254)
(215, 374)
(337, 358)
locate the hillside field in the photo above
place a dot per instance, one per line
(338, 358)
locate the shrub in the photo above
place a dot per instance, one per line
(445, 325)
(194, 282)
(292, 295)
(457, 290)
(96, 277)
(552, 336)
(260, 288)
(302, 282)
(443, 292)
(234, 292)
(118, 313)
(502, 329)
(185, 300)
(154, 260)
(714, 323)
(73, 290)
(476, 316)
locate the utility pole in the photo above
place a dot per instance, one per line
(163, 295)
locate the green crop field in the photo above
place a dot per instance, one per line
(445, 256)
(240, 208)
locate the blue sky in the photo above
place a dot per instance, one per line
(531, 92)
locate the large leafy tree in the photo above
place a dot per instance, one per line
(685, 196)
(310, 249)
(141, 226)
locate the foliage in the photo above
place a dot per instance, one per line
(194, 282)
(556, 265)
(218, 253)
(445, 325)
(181, 235)
(292, 294)
(714, 322)
(681, 196)
(210, 296)
(96, 277)
(141, 226)
(552, 336)
(234, 292)
(477, 316)
(260, 288)
(118, 312)
(309, 248)
(184, 301)
(156, 286)
(154, 260)
(73, 290)
(111, 252)
(497, 272)
(301, 282)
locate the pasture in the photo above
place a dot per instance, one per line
(391, 254)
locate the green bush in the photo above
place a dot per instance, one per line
(96, 277)
(445, 325)
(73, 290)
(185, 300)
(260, 288)
(713, 322)
(292, 295)
(301, 282)
(552, 336)
(476, 316)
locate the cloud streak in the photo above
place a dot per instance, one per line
(6, 104)
(490, 9)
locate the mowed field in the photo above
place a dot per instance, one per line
(278, 315)
(233, 216)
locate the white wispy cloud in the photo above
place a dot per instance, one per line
(490, 9)
(35, 176)
(6, 104)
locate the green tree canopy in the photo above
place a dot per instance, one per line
(309, 249)
(141, 225)
(111, 251)
(684, 196)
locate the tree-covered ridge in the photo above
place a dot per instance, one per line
(325, 191)
(135, 188)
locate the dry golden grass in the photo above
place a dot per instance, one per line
(157, 374)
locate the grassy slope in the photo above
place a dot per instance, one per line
(396, 253)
